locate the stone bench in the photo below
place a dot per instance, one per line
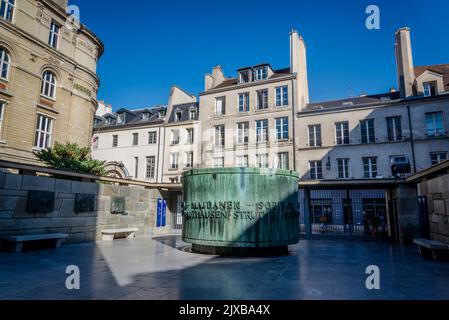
(432, 249)
(111, 234)
(15, 243)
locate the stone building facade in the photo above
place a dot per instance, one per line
(249, 120)
(155, 144)
(48, 84)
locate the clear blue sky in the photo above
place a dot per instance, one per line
(152, 45)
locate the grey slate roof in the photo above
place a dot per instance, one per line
(234, 81)
(354, 102)
(184, 109)
(133, 117)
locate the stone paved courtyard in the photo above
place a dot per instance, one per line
(147, 268)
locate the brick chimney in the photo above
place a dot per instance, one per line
(404, 62)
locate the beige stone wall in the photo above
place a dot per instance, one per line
(382, 149)
(141, 208)
(232, 117)
(74, 64)
(437, 192)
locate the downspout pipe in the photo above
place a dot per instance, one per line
(412, 140)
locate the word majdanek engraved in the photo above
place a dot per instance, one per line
(236, 210)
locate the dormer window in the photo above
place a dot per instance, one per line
(145, 116)
(262, 73)
(178, 116)
(162, 113)
(192, 114)
(120, 118)
(245, 76)
(430, 89)
(107, 120)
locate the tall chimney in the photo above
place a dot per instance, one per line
(404, 62)
(208, 82)
(218, 76)
(298, 65)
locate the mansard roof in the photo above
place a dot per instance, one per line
(184, 109)
(136, 117)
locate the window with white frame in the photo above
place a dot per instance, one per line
(174, 139)
(282, 128)
(370, 167)
(192, 114)
(344, 168)
(245, 76)
(53, 38)
(151, 167)
(262, 99)
(262, 130)
(121, 118)
(115, 141)
(283, 161)
(174, 161)
(316, 170)
(282, 96)
(48, 84)
(145, 116)
(262, 160)
(152, 137)
(189, 159)
(437, 157)
(262, 73)
(135, 139)
(7, 8)
(244, 102)
(242, 132)
(220, 106)
(315, 135)
(178, 116)
(43, 132)
(342, 133)
(220, 136)
(368, 133)
(430, 89)
(4, 64)
(434, 124)
(394, 128)
(242, 161)
(189, 136)
(219, 162)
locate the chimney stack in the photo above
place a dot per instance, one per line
(218, 76)
(404, 61)
(298, 65)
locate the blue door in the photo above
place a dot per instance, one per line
(161, 215)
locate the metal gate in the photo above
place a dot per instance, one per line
(177, 217)
(344, 213)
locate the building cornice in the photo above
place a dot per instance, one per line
(128, 127)
(374, 105)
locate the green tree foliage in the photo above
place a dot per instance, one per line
(71, 157)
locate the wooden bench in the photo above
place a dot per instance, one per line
(111, 234)
(15, 243)
(432, 249)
